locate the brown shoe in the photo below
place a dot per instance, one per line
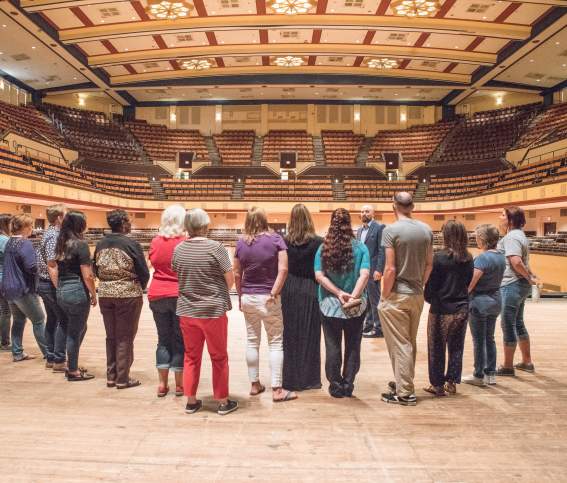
(59, 367)
(49, 365)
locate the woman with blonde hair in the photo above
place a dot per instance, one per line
(260, 270)
(162, 295)
(300, 306)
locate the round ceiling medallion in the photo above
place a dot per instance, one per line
(383, 63)
(169, 9)
(196, 64)
(416, 8)
(292, 7)
(289, 61)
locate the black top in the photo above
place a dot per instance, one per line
(76, 254)
(301, 258)
(447, 288)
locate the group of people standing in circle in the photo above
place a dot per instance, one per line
(369, 284)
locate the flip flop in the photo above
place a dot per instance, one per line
(436, 392)
(260, 391)
(286, 398)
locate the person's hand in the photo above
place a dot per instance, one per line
(93, 299)
(272, 299)
(344, 297)
(534, 280)
(377, 276)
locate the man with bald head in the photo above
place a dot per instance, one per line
(408, 247)
(370, 233)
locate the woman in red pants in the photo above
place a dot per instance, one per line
(205, 276)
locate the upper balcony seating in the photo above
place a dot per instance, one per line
(276, 142)
(235, 147)
(548, 126)
(486, 136)
(29, 122)
(95, 136)
(341, 147)
(416, 143)
(163, 144)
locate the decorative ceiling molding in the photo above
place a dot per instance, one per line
(409, 52)
(348, 22)
(304, 69)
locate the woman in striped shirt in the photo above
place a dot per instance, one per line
(205, 276)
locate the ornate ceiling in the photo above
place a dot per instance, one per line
(464, 46)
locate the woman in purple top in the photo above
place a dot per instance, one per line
(260, 270)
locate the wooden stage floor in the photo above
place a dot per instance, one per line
(53, 430)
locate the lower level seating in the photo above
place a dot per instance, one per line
(275, 189)
(383, 190)
(195, 188)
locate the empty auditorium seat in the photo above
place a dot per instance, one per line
(341, 147)
(276, 142)
(235, 147)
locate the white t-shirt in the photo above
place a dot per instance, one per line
(515, 243)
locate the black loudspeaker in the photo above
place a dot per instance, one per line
(288, 160)
(392, 160)
(186, 160)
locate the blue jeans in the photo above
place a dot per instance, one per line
(27, 307)
(170, 350)
(56, 325)
(5, 316)
(483, 312)
(512, 318)
(73, 299)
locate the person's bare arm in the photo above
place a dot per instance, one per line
(363, 277)
(229, 278)
(475, 278)
(88, 278)
(428, 265)
(237, 272)
(282, 274)
(389, 272)
(330, 287)
(53, 271)
(518, 266)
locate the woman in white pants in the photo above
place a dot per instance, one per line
(260, 270)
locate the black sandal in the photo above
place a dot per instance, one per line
(82, 376)
(130, 383)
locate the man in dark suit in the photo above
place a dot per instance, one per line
(370, 233)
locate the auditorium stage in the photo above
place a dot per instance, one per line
(53, 430)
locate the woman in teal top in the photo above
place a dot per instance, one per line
(342, 268)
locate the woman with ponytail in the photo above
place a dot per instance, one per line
(342, 269)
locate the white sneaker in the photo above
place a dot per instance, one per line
(475, 381)
(490, 379)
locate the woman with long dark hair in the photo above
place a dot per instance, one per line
(300, 307)
(342, 269)
(447, 292)
(75, 287)
(5, 314)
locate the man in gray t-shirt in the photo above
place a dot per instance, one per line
(515, 243)
(408, 245)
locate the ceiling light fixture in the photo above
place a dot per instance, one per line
(383, 63)
(289, 61)
(169, 9)
(292, 7)
(416, 8)
(196, 64)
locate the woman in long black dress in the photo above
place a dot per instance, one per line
(300, 307)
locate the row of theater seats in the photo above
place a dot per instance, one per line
(268, 189)
(341, 147)
(95, 136)
(551, 123)
(416, 144)
(382, 190)
(29, 122)
(235, 147)
(281, 141)
(198, 188)
(458, 186)
(162, 144)
(486, 136)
